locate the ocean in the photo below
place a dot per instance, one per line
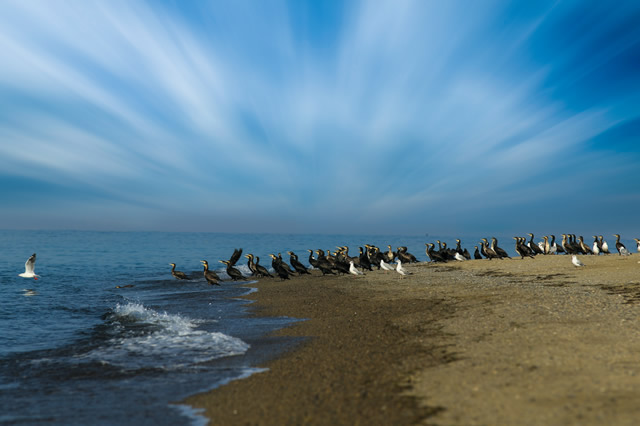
(74, 349)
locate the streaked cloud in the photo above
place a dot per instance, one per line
(308, 117)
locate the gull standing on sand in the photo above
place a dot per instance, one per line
(577, 262)
(384, 265)
(353, 270)
(400, 269)
(459, 257)
(29, 266)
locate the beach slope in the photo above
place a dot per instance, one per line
(533, 341)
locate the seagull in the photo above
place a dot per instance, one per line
(353, 270)
(384, 265)
(401, 269)
(29, 266)
(459, 257)
(577, 262)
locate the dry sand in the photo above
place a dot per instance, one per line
(500, 342)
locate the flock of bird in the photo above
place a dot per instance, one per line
(341, 262)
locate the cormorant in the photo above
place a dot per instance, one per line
(233, 272)
(285, 265)
(178, 274)
(235, 256)
(297, 265)
(312, 261)
(596, 248)
(489, 252)
(638, 243)
(251, 265)
(276, 263)
(535, 248)
(604, 247)
(583, 247)
(555, 248)
(521, 248)
(476, 254)
(262, 271)
(499, 252)
(365, 262)
(619, 246)
(406, 257)
(211, 277)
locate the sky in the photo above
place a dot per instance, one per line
(386, 117)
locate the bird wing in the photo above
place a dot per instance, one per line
(235, 256)
(30, 264)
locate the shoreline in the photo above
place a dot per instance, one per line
(532, 341)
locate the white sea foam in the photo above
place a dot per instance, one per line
(161, 340)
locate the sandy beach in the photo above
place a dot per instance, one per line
(501, 342)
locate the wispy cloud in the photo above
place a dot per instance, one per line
(191, 114)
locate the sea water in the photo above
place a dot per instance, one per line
(75, 349)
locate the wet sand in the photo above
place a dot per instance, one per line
(528, 342)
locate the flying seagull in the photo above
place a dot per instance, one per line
(29, 266)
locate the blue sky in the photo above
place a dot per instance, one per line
(445, 117)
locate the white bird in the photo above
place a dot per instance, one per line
(576, 261)
(638, 242)
(400, 269)
(384, 265)
(459, 257)
(624, 251)
(353, 270)
(29, 266)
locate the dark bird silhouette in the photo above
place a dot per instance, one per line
(211, 277)
(262, 271)
(297, 265)
(233, 272)
(178, 274)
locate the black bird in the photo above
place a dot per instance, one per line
(476, 254)
(434, 255)
(494, 246)
(251, 264)
(365, 262)
(312, 261)
(488, 251)
(619, 246)
(323, 264)
(535, 248)
(583, 247)
(297, 265)
(178, 274)
(211, 277)
(522, 249)
(262, 271)
(405, 256)
(285, 265)
(235, 256)
(555, 248)
(233, 272)
(276, 263)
